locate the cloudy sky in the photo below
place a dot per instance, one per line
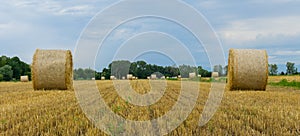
(26, 25)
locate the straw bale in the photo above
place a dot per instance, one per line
(52, 69)
(24, 79)
(247, 69)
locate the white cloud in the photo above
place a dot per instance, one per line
(76, 10)
(288, 53)
(249, 30)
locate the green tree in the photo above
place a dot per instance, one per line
(7, 72)
(120, 68)
(186, 69)
(3, 61)
(203, 72)
(106, 73)
(1, 77)
(97, 75)
(290, 68)
(273, 69)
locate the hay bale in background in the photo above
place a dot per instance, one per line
(24, 79)
(129, 76)
(153, 76)
(112, 77)
(247, 69)
(192, 75)
(52, 69)
(102, 78)
(215, 74)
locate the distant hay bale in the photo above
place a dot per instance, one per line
(129, 76)
(24, 79)
(52, 69)
(215, 74)
(192, 75)
(247, 69)
(112, 77)
(148, 77)
(163, 77)
(199, 75)
(153, 76)
(103, 78)
(179, 76)
(123, 78)
(93, 78)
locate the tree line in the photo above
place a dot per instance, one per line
(290, 69)
(142, 70)
(12, 68)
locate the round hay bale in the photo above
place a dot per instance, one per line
(24, 79)
(102, 78)
(192, 75)
(153, 76)
(112, 77)
(215, 74)
(52, 69)
(247, 69)
(129, 76)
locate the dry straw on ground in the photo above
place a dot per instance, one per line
(52, 69)
(247, 69)
(24, 79)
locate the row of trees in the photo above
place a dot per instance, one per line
(142, 70)
(290, 69)
(13, 68)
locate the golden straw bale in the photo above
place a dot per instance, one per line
(52, 69)
(247, 69)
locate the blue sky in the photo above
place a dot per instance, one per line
(54, 24)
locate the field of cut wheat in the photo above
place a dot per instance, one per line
(28, 112)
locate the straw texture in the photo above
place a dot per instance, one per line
(52, 69)
(247, 69)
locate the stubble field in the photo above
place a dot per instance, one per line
(24, 111)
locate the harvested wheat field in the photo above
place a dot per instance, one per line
(24, 111)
